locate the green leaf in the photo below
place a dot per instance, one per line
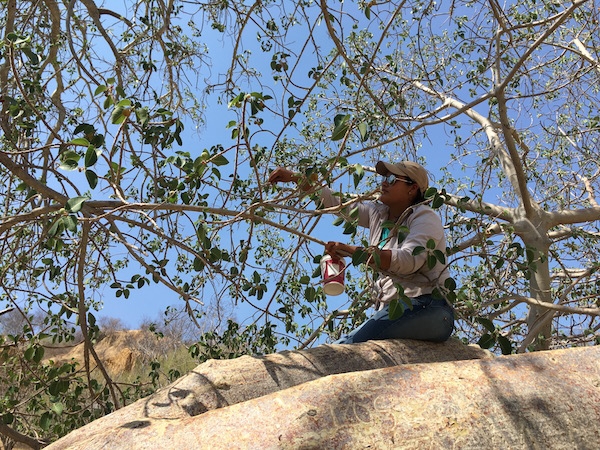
(439, 255)
(108, 101)
(430, 192)
(91, 156)
(65, 154)
(198, 264)
(33, 57)
(418, 250)
(74, 204)
(359, 256)
(363, 130)
(100, 90)
(28, 354)
(119, 114)
(38, 354)
(310, 293)
(487, 323)
(142, 115)
(45, 421)
(349, 228)
(341, 127)
(338, 221)
(438, 201)
(359, 173)
(15, 38)
(377, 259)
(450, 284)
(505, 345)
(219, 160)
(58, 407)
(57, 228)
(236, 101)
(186, 198)
(92, 178)
(80, 141)
(396, 309)
(69, 164)
(70, 223)
(486, 341)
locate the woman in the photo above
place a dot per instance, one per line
(425, 317)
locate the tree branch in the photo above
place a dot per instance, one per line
(34, 443)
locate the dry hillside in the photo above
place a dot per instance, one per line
(120, 351)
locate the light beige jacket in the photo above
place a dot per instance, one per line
(408, 270)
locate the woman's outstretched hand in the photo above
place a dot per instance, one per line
(282, 175)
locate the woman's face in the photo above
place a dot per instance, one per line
(397, 190)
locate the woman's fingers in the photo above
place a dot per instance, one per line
(281, 175)
(336, 249)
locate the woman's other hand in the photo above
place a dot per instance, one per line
(338, 249)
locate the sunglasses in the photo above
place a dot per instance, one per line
(391, 179)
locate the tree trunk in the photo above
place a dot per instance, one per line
(220, 383)
(539, 319)
(548, 400)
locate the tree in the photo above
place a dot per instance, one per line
(498, 402)
(105, 191)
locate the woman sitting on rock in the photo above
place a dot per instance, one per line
(403, 274)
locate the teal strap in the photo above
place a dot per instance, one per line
(385, 232)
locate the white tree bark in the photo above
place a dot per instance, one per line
(506, 402)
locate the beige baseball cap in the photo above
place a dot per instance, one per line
(409, 169)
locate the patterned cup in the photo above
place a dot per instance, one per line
(332, 270)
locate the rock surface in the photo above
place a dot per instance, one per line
(546, 400)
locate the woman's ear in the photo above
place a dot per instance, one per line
(415, 192)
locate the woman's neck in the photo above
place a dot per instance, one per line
(395, 213)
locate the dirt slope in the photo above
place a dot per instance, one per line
(119, 351)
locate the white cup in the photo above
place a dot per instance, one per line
(332, 270)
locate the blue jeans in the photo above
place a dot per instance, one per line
(430, 319)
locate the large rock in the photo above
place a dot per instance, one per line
(548, 400)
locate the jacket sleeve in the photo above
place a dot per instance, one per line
(424, 224)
